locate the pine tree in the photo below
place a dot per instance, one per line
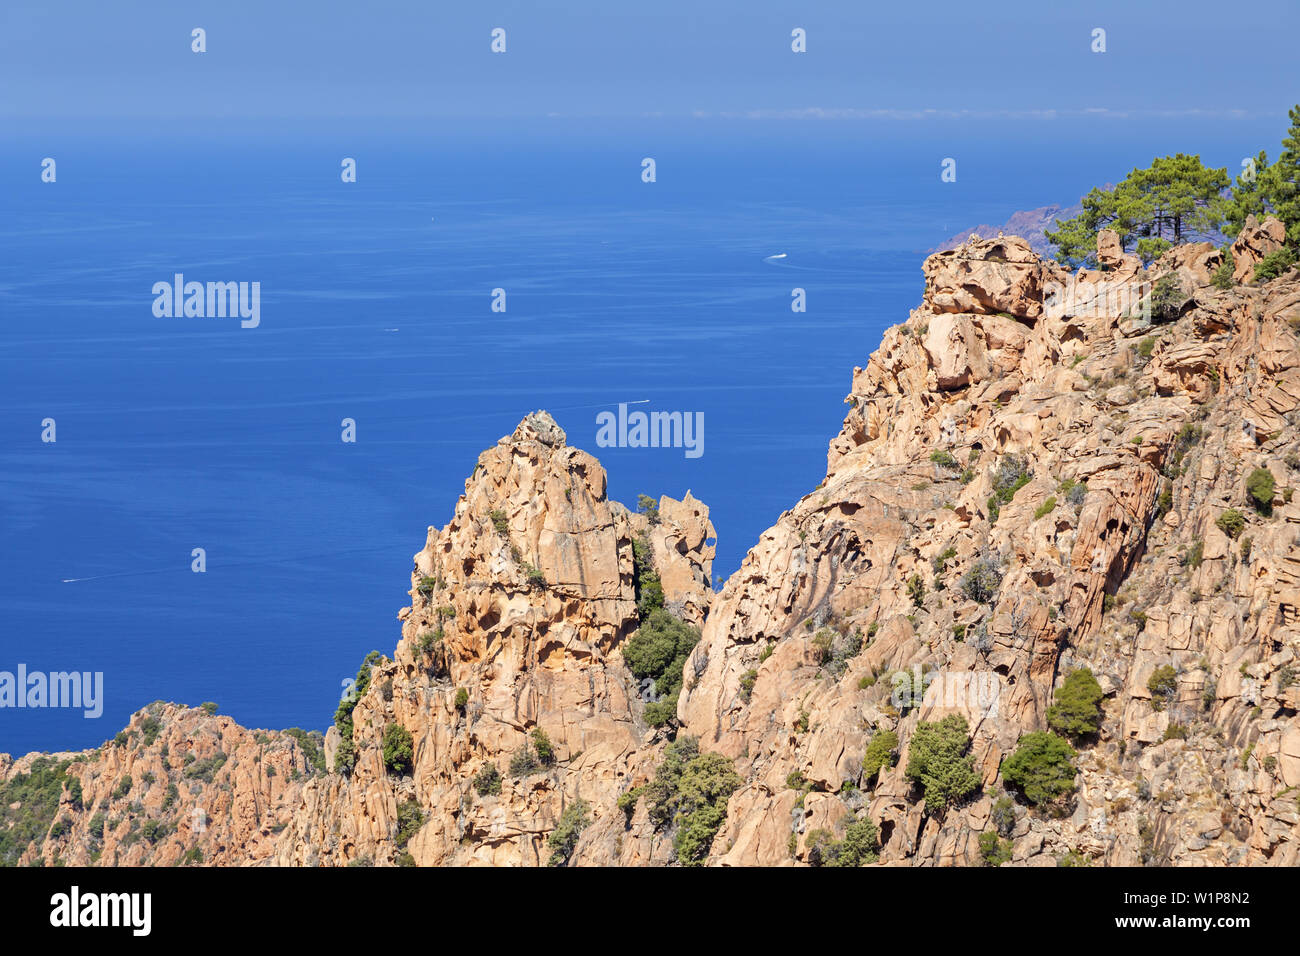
(1175, 199)
(1273, 190)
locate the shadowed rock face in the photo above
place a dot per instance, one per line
(1017, 491)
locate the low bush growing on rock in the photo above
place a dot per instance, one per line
(564, 838)
(658, 650)
(881, 754)
(1011, 475)
(399, 749)
(994, 850)
(859, 847)
(1261, 486)
(1232, 522)
(1162, 684)
(488, 781)
(982, 582)
(939, 761)
(690, 792)
(1077, 708)
(1042, 767)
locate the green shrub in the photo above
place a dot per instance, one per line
(1175, 732)
(500, 520)
(982, 582)
(1003, 815)
(1232, 522)
(882, 753)
(1075, 492)
(994, 850)
(1222, 276)
(345, 757)
(747, 682)
(659, 712)
(627, 802)
(28, 804)
(822, 642)
(123, 787)
(410, 817)
(564, 838)
(858, 848)
(155, 830)
(860, 844)
(312, 745)
(1162, 684)
(1146, 347)
(427, 641)
(462, 698)
(1011, 475)
(939, 762)
(916, 589)
(1077, 708)
(1261, 486)
(488, 780)
(523, 762)
(1046, 508)
(649, 589)
(1042, 767)
(542, 746)
(1167, 297)
(940, 562)
(399, 749)
(658, 650)
(1274, 264)
(149, 728)
(208, 706)
(690, 792)
(945, 460)
(205, 769)
(75, 793)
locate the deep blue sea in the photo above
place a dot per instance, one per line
(183, 433)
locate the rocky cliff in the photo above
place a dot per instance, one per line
(1039, 472)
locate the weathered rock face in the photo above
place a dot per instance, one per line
(1032, 477)
(1255, 241)
(1155, 432)
(521, 602)
(985, 277)
(178, 785)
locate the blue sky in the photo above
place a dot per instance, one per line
(1020, 60)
